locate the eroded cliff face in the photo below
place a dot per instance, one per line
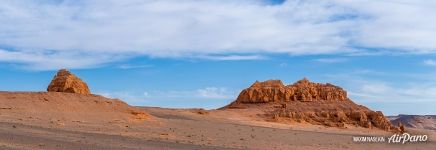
(305, 101)
(65, 81)
(303, 90)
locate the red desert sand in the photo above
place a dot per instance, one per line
(266, 116)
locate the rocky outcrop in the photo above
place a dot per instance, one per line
(334, 117)
(401, 126)
(305, 101)
(303, 90)
(65, 81)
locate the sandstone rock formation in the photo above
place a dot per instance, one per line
(305, 101)
(401, 126)
(64, 81)
(303, 90)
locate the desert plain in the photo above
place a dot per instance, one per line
(74, 120)
(49, 121)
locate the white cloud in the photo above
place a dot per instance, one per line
(145, 94)
(133, 66)
(395, 25)
(213, 92)
(363, 87)
(382, 92)
(207, 93)
(202, 93)
(50, 60)
(89, 33)
(375, 88)
(170, 27)
(129, 97)
(331, 60)
(430, 62)
(283, 65)
(233, 57)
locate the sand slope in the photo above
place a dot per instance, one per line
(64, 109)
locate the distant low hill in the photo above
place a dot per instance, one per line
(415, 121)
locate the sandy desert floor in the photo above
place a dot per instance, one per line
(93, 128)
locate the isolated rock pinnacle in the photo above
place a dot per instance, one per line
(65, 81)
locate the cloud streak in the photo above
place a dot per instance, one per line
(331, 60)
(49, 60)
(89, 33)
(362, 87)
(201, 94)
(383, 92)
(430, 62)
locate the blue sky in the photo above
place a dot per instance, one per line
(188, 53)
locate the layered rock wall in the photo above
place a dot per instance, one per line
(305, 101)
(303, 90)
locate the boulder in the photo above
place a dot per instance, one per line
(65, 81)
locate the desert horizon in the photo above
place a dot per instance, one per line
(217, 74)
(69, 116)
